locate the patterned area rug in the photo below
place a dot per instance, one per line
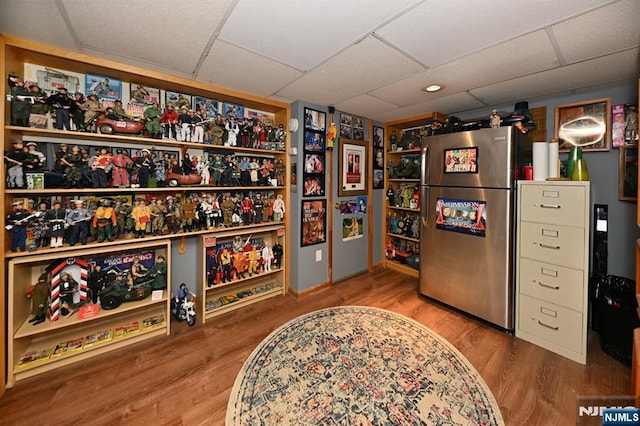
(359, 366)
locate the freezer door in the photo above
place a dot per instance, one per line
(479, 158)
(466, 267)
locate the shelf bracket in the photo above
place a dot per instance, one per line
(182, 245)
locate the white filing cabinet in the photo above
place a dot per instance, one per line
(552, 269)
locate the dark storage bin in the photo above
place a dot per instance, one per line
(614, 314)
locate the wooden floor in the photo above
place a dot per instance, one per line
(186, 378)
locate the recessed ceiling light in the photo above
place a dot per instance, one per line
(433, 88)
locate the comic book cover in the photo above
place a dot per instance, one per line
(154, 321)
(68, 347)
(34, 356)
(125, 329)
(98, 338)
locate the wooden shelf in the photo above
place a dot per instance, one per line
(245, 301)
(406, 209)
(241, 280)
(402, 237)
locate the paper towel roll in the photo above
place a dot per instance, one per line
(553, 159)
(540, 160)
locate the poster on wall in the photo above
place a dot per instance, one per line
(463, 216)
(50, 80)
(233, 111)
(256, 116)
(179, 100)
(210, 106)
(103, 87)
(144, 95)
(313, 222)
(352, 228)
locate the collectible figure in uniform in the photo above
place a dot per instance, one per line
(73, 167)
(171, 218)
(104, 220)
(55, 222)
(121, 166)
(232, 129)
(100, 166)
(267, 255)
(96, 282)
(226, 263)
(39, 297)
(188, 215)
(63, 105)
(17, 220)
(144, 165)
(41, 234)
(247, 211)
(20, 103)
(278, 252)
(278, 209)
(15, 159)
(159, 273)
(254, 261)
(68, 294)
(258, 208)
(78, 222)
(153, 114)
(122, 213)
(158, 211)
(197, 123)
(141, 214)
(169, 120)
(137, 273)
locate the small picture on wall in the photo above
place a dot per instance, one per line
(313, 163)
(314, 142)
(103, 87)
(210, 106)
(233, 110)
(314, 120)
(313, 185)
(313, 222)
(179, 100)
(352, 228)
(145, 95)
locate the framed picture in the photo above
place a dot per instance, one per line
(378, 137)
(313, 185)
(628, 177)
(314, 142)
(585, 124)
(315, 120)
(210, 106)
(177, 99)
(313, 163)
(266, 118)
(145, 95)
(103, 87)
(313, 222)
(233, 110)
(352, 169)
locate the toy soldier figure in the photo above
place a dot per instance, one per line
(245, 133)
(277, 254)
(122, 212)
(120, 172)
(188, 215)
(159, 273)
(41, 234)
(20, 103)
(157, 216)
(236, 219)
(240, 263)
(217, 131)
(280, 171)
(63, 105)
(254, 261)
(152, 115)
(216, 211)
(258, 206)
(227, 210)
(267, 255)
(144, 165)
(96, 282)
(141, 213)
(226, 263)
(100, 166)
(105, 220)
(171, 218)
(73, 167)
(33, 150)
(247, 211)
(68, 290)
(118, 109)
(18, 220)
(281, 137)
(39, 300)
(77, 220)
(278, 209)
(55, 221)
(218, 168)
(184, 125)
(160, 165)
(245, 177)
(198, 126)
(169, 120)
(15, 159)
(232, 129)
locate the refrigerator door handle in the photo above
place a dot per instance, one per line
(424, 190)
(424, 197)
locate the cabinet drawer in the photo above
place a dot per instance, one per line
(551, 283)
(563, 205)
(553, 323)
(558, 245)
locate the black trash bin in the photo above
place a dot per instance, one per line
(614, 314)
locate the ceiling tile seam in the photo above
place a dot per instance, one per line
(554, 44)
(506, 40)
(68, 23)
(553, 68)
(477, 98)
(400, 51)
(212, 39)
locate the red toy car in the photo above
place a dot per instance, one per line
(176, 179)
(109, 126)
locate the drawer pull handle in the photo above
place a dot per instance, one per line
(550, 206)
(549, 246)
(548, 326)
(553, 287)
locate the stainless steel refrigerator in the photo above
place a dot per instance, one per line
(468, 215)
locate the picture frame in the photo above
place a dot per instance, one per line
(313, 163)
(315, 120)
(103, 87)
(378, 137)
(232, 110)
(313, 185)
(313, 222)
(144, 95)
(352, 169)
(178, 99)
(208, 105)
(586, 124)
(628, 173)
(314, 142)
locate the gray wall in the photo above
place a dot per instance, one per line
(603, 173)
(379, 225)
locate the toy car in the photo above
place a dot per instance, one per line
(176, 179)
(109, 126)
(117, 292)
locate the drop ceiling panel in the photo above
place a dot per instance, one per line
(365, 105)
(21, 21)
(438, 32)
(445, 105)
(303, 34)
(561, 80)
(352, 72)
(158, 31)
(236, 68)
(521, 56)
(609, 29)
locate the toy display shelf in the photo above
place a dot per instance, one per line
(234, 301)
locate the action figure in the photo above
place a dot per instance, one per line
(172, 215)
(197, 123)
(55, 224)
(69, 295)
(92, 109)
(495, 119)
(184, 125)
(158, 211)
(17, 221)
(232, 129)
(202, 168)
(332, 133)
(15, 159)
(123, 211)
(267, 255)
(104, 220)
(141, 214)
(159, 273)
(100, 166)
(160, 163)
(73, 167)
(277, 254)
(143, 166)
(247, 211)
(631, 121)
(394, 224)
(168, 122)
(137, 273)
(393, 140)
(63, 105)
(152, 114)
(254, 261)
(281, 136)
(121, 166)
(96, 281)
(240, 263)
(39, 296)
(21, 100)
(226, 263)
(258, 207)
(78, 223)
(390, 250)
